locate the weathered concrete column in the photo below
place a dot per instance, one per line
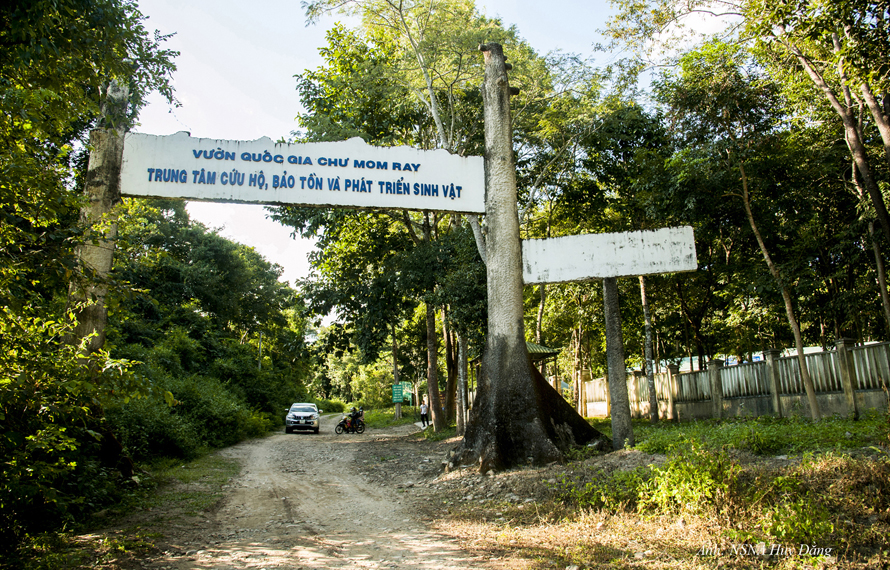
(848, 374)
(637, 403)
(673, 382)
(622, 430)
(714, 367)
(771, 359)
(771, 356)
(86, 293)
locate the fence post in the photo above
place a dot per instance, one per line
(848, 374)
(673, 371)
(638, 398)
(775, 387)
(714, 367)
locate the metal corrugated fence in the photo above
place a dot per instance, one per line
(871, 363)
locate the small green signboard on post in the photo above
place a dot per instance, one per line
(397, 393)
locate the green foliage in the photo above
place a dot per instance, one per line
(330, 406)
(762, 435)
(798, 521)
(692, 480)
(57, 61)
(802, 501)
(150, 428)
(383, 418)
(194, 317)
(613, 492)
(699, 482)
(52, 426)
(433, 435)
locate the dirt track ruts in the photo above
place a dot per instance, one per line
(301, 503)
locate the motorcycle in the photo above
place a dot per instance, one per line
(348, 425)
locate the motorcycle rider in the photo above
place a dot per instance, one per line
(354, 416)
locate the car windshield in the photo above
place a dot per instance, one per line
(303, 409)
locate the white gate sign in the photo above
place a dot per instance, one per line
(596, 256)
(349, 174)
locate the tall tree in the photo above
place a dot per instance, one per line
(496, 436)
(57, 56)
(841, 46)
(715, 99)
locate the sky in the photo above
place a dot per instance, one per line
(235, 81)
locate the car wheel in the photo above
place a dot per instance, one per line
(288, 430)
(316, 430)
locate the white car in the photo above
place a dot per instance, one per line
(302, 416)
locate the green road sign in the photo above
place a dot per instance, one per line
(397, 393)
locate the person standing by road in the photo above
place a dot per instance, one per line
(424, 417)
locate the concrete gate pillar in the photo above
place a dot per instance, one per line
(714, 367)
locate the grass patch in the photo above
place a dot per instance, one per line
(195, 485)
(829, 499)
(762, 435)
(386, 417)
(447, 433)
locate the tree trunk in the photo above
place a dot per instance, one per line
(462, 367)
(647, 351)
(432, 374)
(876, 248)
(881, 119)
(450, 369)
(854, 141)
(395, 371)
(432, 351)
(622, 430)
(576, 368)
(539, 338)
(882, 273)
(786, 297)
(518, 418)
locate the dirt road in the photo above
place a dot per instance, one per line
(303, 502)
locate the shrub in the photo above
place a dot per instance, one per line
(614, 492)
(330, 406)
(797, 521)
(149, 428)
(692, 480)
(51, 424)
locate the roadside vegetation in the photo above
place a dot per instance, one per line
(170, 491)
(764, 435)
(696, 494)
(685, 487)
(385, 417)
